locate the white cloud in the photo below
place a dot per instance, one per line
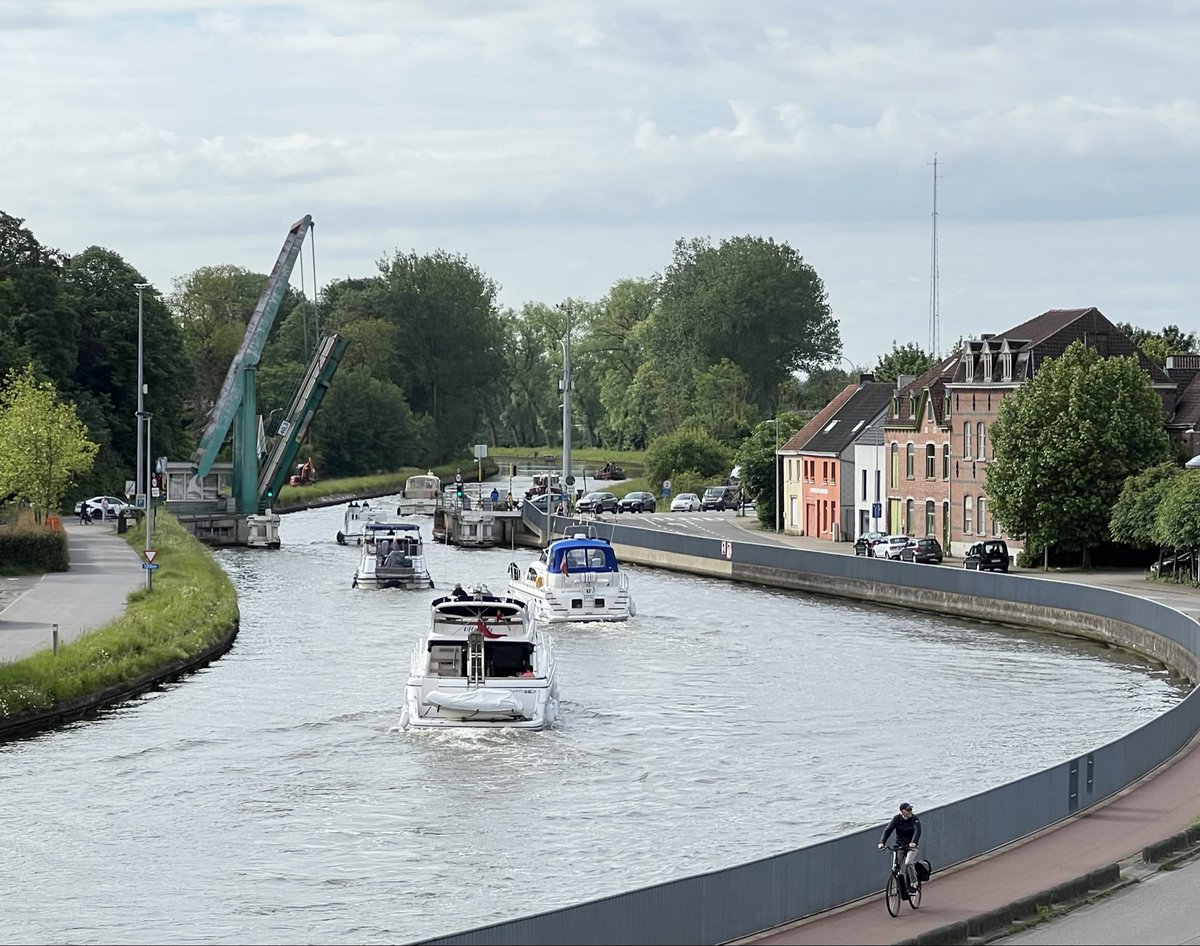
(569, 145)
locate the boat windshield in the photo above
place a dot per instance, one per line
(583, 557)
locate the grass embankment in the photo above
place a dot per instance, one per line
(192, 606)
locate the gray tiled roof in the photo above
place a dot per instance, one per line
(853, 417)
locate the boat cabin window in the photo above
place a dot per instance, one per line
(587, 559)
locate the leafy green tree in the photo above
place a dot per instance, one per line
(529, 413)
(617, 336)
(687, 450)
(1064, 444)
(751, 300)
(365, 426)
(720, 405)
(902, 360)
(757, 458)
(43, 444)
(1172, 340)
(1136, 511)
(1178, 523)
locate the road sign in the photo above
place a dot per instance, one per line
(149, 566)
(150, 553)
(570, 480)
(130, 486)
(876, 510)
(480, 451)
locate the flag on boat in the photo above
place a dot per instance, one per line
(485, 630)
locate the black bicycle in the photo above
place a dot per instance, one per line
(898, 888)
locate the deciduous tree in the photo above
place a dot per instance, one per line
(43, 444)
(1064, 444)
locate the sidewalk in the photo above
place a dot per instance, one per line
(92, 593)
(1162, 805)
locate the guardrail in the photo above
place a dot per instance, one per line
(735, 902)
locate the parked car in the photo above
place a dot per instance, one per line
(720, 498)
(95, 507)
(890, 546)
(927, 550)
(685, 502)
(598, 502)
(989, 556)
(867, 541)
(638, 501)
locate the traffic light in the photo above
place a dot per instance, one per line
(458, 490)
(512, 469)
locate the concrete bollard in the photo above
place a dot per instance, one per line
(54, 639)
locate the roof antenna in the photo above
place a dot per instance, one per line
(934, 315)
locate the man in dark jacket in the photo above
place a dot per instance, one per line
(908, 834)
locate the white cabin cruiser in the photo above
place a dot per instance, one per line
(484, 662)
(354, 528)
(392, 557)
(420, 495)
(574, 579)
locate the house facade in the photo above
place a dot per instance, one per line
(920, 468)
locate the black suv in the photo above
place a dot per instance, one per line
(989, 556)
(719, 498)
(598, 502)
(638, 501)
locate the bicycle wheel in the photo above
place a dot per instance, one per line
(914, 895)
(891, 895)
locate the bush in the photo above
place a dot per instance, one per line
(689, 451)
(25, 550)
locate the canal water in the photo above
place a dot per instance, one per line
(271, 798)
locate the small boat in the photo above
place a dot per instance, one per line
(484, 662)
(576, 578)
(420, 495)
(392, 557)
(354, 528)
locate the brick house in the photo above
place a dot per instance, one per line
(950, 409)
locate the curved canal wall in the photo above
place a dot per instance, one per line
(737, 901)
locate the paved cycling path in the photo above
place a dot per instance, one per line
(90, 594)
(1161, 805)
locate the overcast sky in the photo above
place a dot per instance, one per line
(561, 146)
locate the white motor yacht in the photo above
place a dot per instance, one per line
(354, 527)
(574, 579)
(484, 662)
(420, 495)
(393, 556)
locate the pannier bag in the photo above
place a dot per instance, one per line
(924, 869)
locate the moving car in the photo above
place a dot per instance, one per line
(927, 550)
(890, 546)
(865, 542)
(685, 502)
(720, 498)
(547, 502)
(989, 556)
(598, 502)
(638, 501)
(95, 507)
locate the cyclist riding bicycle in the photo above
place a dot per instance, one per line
(908, 833)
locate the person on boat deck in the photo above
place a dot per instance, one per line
(527, 671)
(459, 593)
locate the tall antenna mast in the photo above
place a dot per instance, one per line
(934, 302)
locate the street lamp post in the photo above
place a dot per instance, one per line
(139, 484)
(144, 417)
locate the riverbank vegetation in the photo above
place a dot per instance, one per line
(191, 608)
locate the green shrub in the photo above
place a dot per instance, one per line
(26, 550)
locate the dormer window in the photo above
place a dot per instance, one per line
(1006, 366)
(987, 366)
(969, 365)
